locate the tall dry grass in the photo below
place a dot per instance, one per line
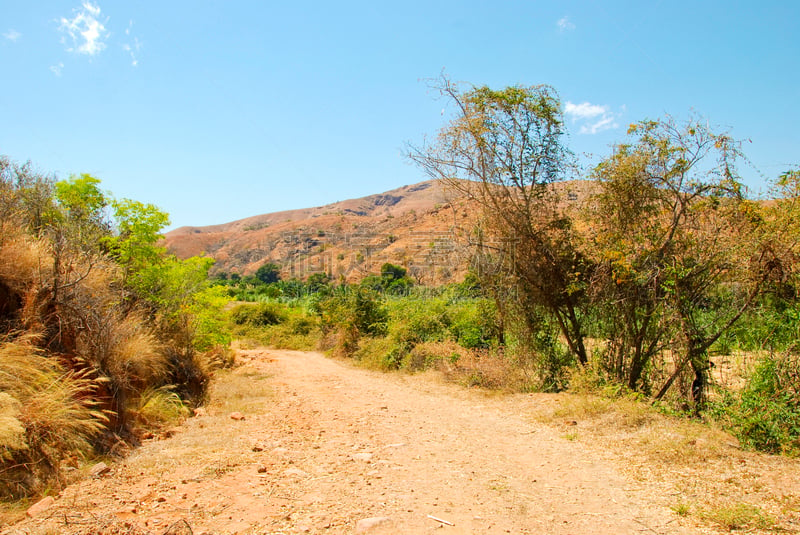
(47, 413)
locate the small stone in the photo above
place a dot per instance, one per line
(236, 416)
(40, 507)
(181, 527)
(367, 524)
(257, 448)
(366, 457)
(200, 411)
(99, 469)
(262, 469)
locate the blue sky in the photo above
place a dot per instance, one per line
(219, 110)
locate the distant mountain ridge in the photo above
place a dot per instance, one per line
(411, 226)
(345, 239)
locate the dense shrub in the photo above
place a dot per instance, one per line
(350, 314)
(259, 315)
(285, 325)
(765, 415)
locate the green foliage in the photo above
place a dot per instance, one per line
(765, 415)
(259, 315)
(138, 231)
(474, 323)
(207, 319)
(81, 197)
(277, 324)
(360, 310)
(268, 273)
(393, 280)
(672, 234)
(319, 283)
(504, 150)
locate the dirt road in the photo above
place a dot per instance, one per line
(327, 448)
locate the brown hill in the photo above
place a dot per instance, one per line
(411, 226)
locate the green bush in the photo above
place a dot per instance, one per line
(474, 324)
(289, 325)
(765, 415)
(360, 310)
(259, 315)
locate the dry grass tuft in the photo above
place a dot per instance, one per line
(52, 407)
(489, 369)
(22, 259)
(739, 516)
(160, 407)
(137, 358)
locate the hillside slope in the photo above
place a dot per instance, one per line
(412, 226)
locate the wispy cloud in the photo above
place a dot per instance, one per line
(593, 118)
(86, 30)
(56, 69)
(12, 35)
(132, 48)
(564, 24)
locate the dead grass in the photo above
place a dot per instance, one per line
(241, 389)
(488, 369)
(739, 516)
(702, 472)
(45, 416)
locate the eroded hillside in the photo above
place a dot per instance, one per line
(414, 226)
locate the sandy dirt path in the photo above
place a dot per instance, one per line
(324, 446)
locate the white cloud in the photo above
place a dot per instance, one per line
(593, 118)
(132, 48)
(584, 110)
(57, 68)
(85, 29)
(564, 24)
(12, 35)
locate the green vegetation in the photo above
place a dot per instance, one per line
(102, 334)
(666, 275)
(667, 265)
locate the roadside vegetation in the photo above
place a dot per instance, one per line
(103, 336)
(667, 281)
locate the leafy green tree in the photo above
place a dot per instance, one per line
(318, 283)
(135, 244)
(269, 273)
(504, 150)
(82, 200)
